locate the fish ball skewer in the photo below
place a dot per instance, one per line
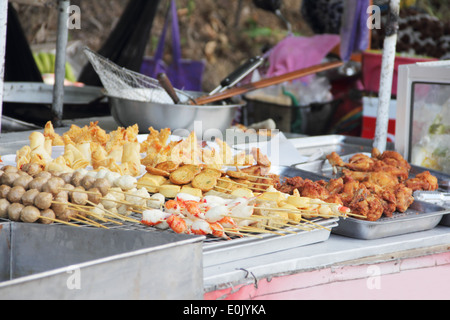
(4, 190)
(15, 194)
(47, 213)
(4, 205)
(29, 196)
(80, 197)
(14, 211)
(23, 181)
(37, 183)
(43, 200)
(30, 214)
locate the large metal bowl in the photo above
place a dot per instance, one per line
(174, 116)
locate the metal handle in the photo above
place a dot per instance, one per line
(237, 75)
(167, 85)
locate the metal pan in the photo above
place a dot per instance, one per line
(420, 216)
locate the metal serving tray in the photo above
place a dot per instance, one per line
(215, 253)
(62, 262)
(221, 251)
(420, 216)
(317, 147)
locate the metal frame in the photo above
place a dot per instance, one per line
(408, 75)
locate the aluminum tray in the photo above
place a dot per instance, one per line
(220, 251)
(216, 253)
(317, 147)
(420, 216)
(60, 262)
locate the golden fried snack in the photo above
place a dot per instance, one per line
(182, 175)
(204, 181)
(167, 166)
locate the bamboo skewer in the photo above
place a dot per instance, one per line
(241, 184)
(91, 222)
(233, 231)
(60, 221)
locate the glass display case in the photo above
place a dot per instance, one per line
(423, 114)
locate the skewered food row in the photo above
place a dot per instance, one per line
(221, 217)
(170, 178)
(370, 186)
(63, 197)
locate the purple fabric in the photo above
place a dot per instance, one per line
(294, 53)
(354, 30)
(183, 73)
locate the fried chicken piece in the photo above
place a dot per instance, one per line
(386, 197)
(395, 159)
(423, 181)
(380, 178)
(403, 196)
(335, 186)
(335, 160)
(365, 203)
(314, 190)
(288, 185)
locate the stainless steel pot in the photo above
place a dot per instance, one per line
(174, 116)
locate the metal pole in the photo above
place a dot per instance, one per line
(60, 62)
(3, 25)
(387, 71)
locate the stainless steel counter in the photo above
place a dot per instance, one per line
(336, 250)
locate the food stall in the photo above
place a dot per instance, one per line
(127, 204)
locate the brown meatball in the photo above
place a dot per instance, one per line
(4, 190)
(23, 181)
(76, 178)
(47, 213)
(15, 194)
(14, 211)
(4, 205)
(28, 197)
(67, 177)
(68, 186)
(94, 195)
(8, 178)
(67, 215)
(53, 185)
(44, 174)
(78, 197)
(87, 182)
(37, 183)
(43, 200)
(30, 214)
(60, 202)
(103, 185)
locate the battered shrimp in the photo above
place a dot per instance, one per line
(153, 217)
(201, 227)
(218, 230)
(228, 222)
(173, 207)
(193, 210)
(216, 214)
(177, 224)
